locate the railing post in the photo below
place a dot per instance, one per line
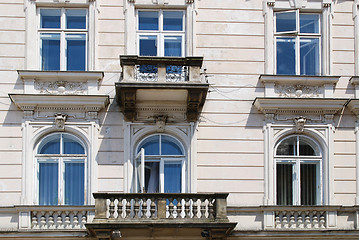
(161, 71)
(194, 73)
(161, 208)
(100, 208)
(221, 207)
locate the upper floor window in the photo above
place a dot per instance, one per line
(298, 41)
(61, 170)
(160, 164)
(160, 33)
(63, 39)
(298, 164)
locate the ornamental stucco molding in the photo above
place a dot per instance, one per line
(298, 91)
(61, 87)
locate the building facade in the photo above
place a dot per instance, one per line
(179, 119)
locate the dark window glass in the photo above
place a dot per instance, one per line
(308, 184)
(284, 184)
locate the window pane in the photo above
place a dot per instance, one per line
(285, 56)
(152, 170)
(50, 51)
(173, 46)
(309, 56)
(50, 145)
(147, 20)
(309, 23)
(151, 145)
(76, 52)
(308, 183)
(170, 146)
(172, 21)
(76, 19)
(74, 183)
(284, 184)
(286, 21)
(50, 18)
(71, 146)
(305, 149)
(148, 45)
(288, 147)
(48, 183)
(173, 178)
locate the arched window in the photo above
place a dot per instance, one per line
(160, 163)
(61, 162)
(298, 164)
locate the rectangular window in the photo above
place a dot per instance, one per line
(63, 39)
(298, 41)
(160, 33)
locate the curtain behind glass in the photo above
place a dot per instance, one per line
(152, 170)
(50, 51)
(76, 52)
(74, 183)
(48, 183)
(284, 184)
(308, 184)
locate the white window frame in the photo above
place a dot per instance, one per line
(161, 33)
(63, 32)
(60, 159)
(296, 161)
(297, 36)
(141, 158)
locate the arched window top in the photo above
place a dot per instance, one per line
(161, 144)
(61, 143)
(298, 146)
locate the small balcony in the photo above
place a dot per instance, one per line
(160, 214)
(170, 87)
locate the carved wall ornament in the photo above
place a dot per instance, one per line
(296, 91)
(299, 123)
(61, 87)
(60, 119)
(160, 122)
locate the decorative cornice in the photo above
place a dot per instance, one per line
(299, 106)
(61, 75)
(60, 103)
(299, 80)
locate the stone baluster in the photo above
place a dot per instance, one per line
(277, 220)
(136, 208)
(195, 207)
(170, 208)
(59, 220)
(51, 220)
(187, 208)
(111, 209)
(75, 220)
(300, 220)
(144, 208)
(119, 208)
(179, 207)
(34, 220)
(285, 223)
(322, 220)
(203, 207)
(67, 221)
(83, 219)
(210, 208)
(153, 208)
(128, 208)
(315, 220)
(292, 222)
(307, 220)
(43, 220)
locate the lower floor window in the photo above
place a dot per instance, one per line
(61, 170)
(298, 165)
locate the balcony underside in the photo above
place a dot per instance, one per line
(143, 230)
(177, 101)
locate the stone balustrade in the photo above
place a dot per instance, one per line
(55, 217)
(161, 69)
(157, 206)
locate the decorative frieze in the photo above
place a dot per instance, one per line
(61, 87)
(298, 91)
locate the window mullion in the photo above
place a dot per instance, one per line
(162, 176)
(60, 181)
